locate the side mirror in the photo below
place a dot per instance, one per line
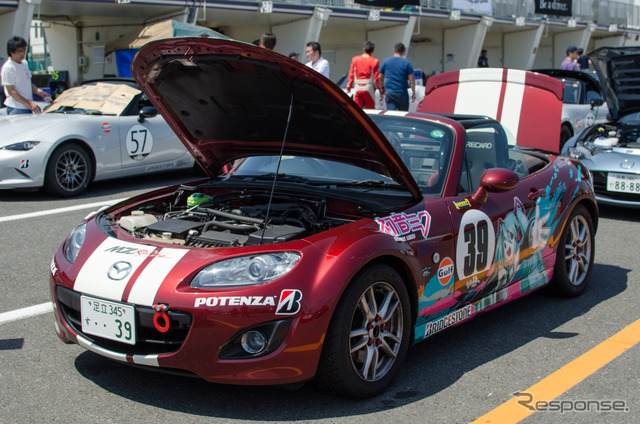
(147, 112)
(495, 180)
(596, 102)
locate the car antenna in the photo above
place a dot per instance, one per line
(275, 177)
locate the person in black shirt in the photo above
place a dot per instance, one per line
(483, 61)
(583, 60)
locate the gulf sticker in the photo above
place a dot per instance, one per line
(445, 271)
(139, 142)
(106, 127)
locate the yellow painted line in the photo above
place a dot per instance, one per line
(566, 377)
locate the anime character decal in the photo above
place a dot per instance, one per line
(518, 251)
(494, 265)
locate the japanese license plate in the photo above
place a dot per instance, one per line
(625, 183)
(111, 320)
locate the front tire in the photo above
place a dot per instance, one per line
(368, 336)
(575, 255)
(69, 171)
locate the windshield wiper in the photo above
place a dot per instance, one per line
(272, 175)
(370, 183)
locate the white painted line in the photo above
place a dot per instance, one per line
(30, 311)
(59, 210)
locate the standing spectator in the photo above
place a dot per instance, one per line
(483, 61)
(569, 62)
(583, 60)
(295, 56)
(316, 61)
(267, 41)
(394, 73)
(364, 71)
(16, 80)
(2, 95)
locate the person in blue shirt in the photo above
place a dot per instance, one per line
(396, 76)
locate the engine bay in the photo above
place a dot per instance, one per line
(231, 219)
(612, 135)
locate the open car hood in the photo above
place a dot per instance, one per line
(527, 104)
(226, 100)
(618, 69)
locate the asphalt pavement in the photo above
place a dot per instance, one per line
(456, 376)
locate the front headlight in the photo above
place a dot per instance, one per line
(22, 146)
(246, 270)
(576, 154)
(74, 242)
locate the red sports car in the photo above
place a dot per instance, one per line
(326, 241)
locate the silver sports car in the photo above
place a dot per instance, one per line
(611, 150)
(97, 131)
(582, 103)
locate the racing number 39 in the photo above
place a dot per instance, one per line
(476, 245)
(475, 236)
(139, 142)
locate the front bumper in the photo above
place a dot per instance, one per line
(605, 197)
(20, 169)
(201, 331)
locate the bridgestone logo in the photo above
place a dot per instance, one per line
(449, 320)
(289, 302)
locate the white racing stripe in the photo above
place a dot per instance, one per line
(59, 210)
(513, 98)
(30, 311)
(93, 277)
(473, 99)
(147, 285)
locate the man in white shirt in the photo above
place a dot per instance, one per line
(16, 80)
(316, 61)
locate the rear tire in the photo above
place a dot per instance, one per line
(575, 255)
(368, 336)
(565, 134)
(69, 171)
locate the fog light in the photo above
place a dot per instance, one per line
(253, 342)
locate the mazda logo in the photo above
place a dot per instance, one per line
(626, 164)
(119, 271)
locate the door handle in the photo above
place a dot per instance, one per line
(535, 194)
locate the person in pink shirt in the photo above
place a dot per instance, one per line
(364, 76)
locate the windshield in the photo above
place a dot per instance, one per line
(309, 170)
(95, 99)
(572, 91)
(631, 119)
(424, 146)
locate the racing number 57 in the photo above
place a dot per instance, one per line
(138, 138)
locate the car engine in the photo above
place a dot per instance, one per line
(240, 219)
(611, 135)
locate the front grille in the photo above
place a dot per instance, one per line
(149, 341)
(600, 187)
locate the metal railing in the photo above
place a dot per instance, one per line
(606, 12)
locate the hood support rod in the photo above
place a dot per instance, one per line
(275, 177)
